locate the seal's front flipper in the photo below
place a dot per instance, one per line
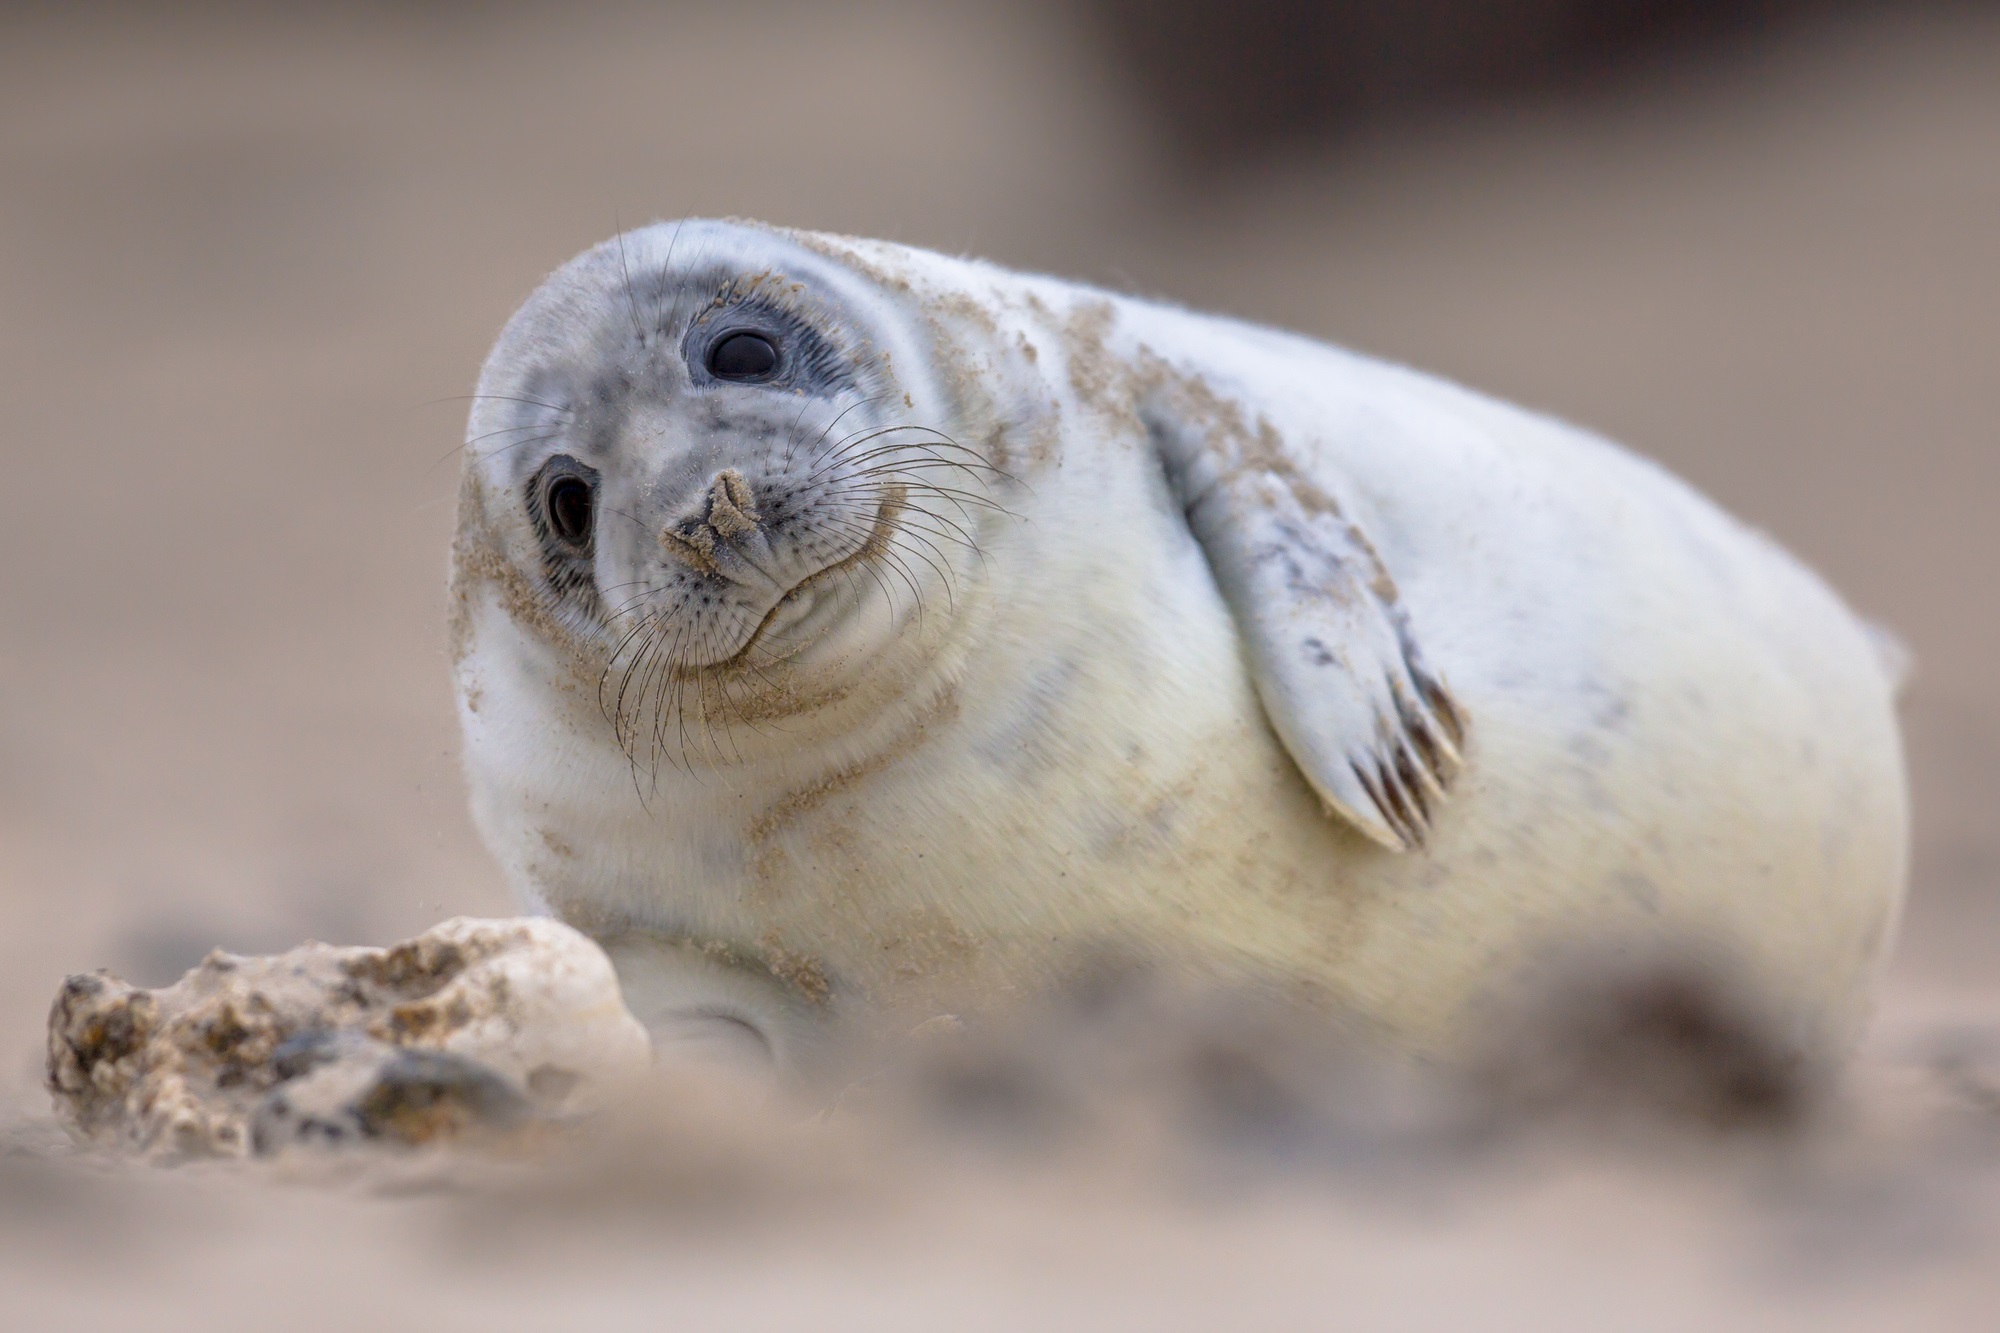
(1331, 648)
(705, 1010)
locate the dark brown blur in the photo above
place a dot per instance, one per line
(1228, 80)
(251, 257)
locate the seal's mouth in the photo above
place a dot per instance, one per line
(797, 603)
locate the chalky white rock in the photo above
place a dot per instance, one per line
(472, 1026)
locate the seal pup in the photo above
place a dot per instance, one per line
(842, 630)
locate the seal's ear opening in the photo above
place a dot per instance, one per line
(561, 500)
(569, 501)
(1371, 726)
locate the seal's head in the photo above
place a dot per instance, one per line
(714, 470)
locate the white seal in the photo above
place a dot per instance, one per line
(840, 626)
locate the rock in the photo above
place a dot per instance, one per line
(473, 1026)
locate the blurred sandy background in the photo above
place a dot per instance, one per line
(250, 258)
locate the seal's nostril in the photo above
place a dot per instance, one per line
(693, 545)
(732, 512)
(732, 509)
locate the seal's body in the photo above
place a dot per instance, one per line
(842, 629)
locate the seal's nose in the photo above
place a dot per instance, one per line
(732, 510)
(732, 513)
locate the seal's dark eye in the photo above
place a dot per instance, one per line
(742, 356)
(569, 503)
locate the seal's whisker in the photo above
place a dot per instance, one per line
(917, 533)
(667, 312)
(744, 664)
(977, 462)
(894, 561)
(868, 433)
(722, 688)
(611, 711)
(877, 479)
(645, 662)
(898, 460)
(506, 430)
(888, 555)
(869, 567)
(913, 473)
(913, 464)
(497, 453)
(678, 682)
(792, 435)
(761, 648)
(631, 301)
(957, 536)
(939, 566)
(718, 733)
(963, 537)
(899, 466)
(652, 702)
(629, 518)
(974, 462)
(707, 728)
(863, 529)
(792, 444)
(702, 640)
(494, 397)
(960, 497)
(655, 651)
(647, 590)
(624, 723)
(857, 529)
(703, 729)
(621, 729)
(867, 451)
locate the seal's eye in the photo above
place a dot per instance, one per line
(742, 356)
(569, 503)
